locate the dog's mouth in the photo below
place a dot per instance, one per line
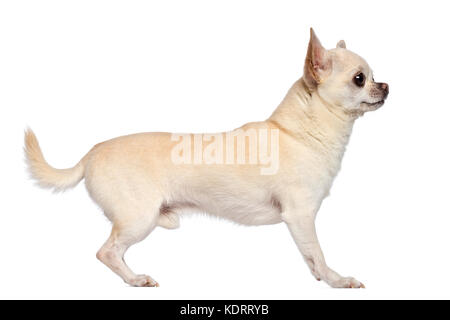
(373, 105)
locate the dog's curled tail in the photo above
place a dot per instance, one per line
(46, 175)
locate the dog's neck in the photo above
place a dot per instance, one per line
(306, 116)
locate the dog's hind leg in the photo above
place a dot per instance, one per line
(124, 234)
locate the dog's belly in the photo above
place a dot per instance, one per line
(245, 209)
(250, 214)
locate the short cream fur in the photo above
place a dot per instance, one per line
(134, 181)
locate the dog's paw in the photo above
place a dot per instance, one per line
(143, 280)
(316, 275)
(347, 283)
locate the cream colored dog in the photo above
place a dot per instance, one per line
(146, 180)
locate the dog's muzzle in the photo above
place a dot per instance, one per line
(384, 88)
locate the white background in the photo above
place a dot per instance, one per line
(80, 72)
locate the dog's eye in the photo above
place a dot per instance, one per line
(360, 80)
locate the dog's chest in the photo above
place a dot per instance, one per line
(314, 170)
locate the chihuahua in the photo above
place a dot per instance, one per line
(268, 172)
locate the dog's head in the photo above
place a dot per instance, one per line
(342, 78)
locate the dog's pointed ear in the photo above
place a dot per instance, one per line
(341, 44)
(317, 62)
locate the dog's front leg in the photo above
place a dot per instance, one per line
(302, 228)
